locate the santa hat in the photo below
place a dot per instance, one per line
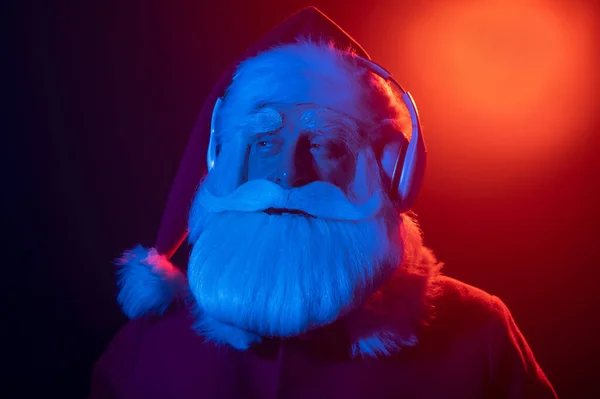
(147, 280)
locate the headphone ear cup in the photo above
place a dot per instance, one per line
(392, 159)
(391, 152)
(213, 147)
(388, 158)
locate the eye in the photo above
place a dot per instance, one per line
(325, 148)
(318, 144)
(267, 145)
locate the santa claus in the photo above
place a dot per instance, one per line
(308, 277)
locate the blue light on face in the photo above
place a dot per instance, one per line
(294, 145)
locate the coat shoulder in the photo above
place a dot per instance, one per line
(456, 293)
(458, 305)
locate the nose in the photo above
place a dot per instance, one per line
(296, 169)
(286, 180)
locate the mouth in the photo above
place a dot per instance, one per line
(285, 211)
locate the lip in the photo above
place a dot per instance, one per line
(285, 211)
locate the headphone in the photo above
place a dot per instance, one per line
(409, 166)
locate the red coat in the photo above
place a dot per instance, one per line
(471, 349)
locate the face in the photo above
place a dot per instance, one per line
(304, 237)
(294, 145)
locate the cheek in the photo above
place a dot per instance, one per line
(339, 172)
(258, 166)
(367, 178)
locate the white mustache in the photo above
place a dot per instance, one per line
(318, 199)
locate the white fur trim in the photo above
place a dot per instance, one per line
(148, 282)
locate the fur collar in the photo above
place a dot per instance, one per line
(388, 321)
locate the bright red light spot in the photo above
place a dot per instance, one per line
(508, 87)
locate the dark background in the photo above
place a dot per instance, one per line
(100, 100)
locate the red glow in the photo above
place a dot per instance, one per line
(503, 86)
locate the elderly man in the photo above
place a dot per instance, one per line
(307, 277)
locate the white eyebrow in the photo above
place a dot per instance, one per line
(264, 120)
(330, 123)
(309, 120)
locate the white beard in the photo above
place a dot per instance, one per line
(253, 274)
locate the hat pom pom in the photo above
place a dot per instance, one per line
(148, 282)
